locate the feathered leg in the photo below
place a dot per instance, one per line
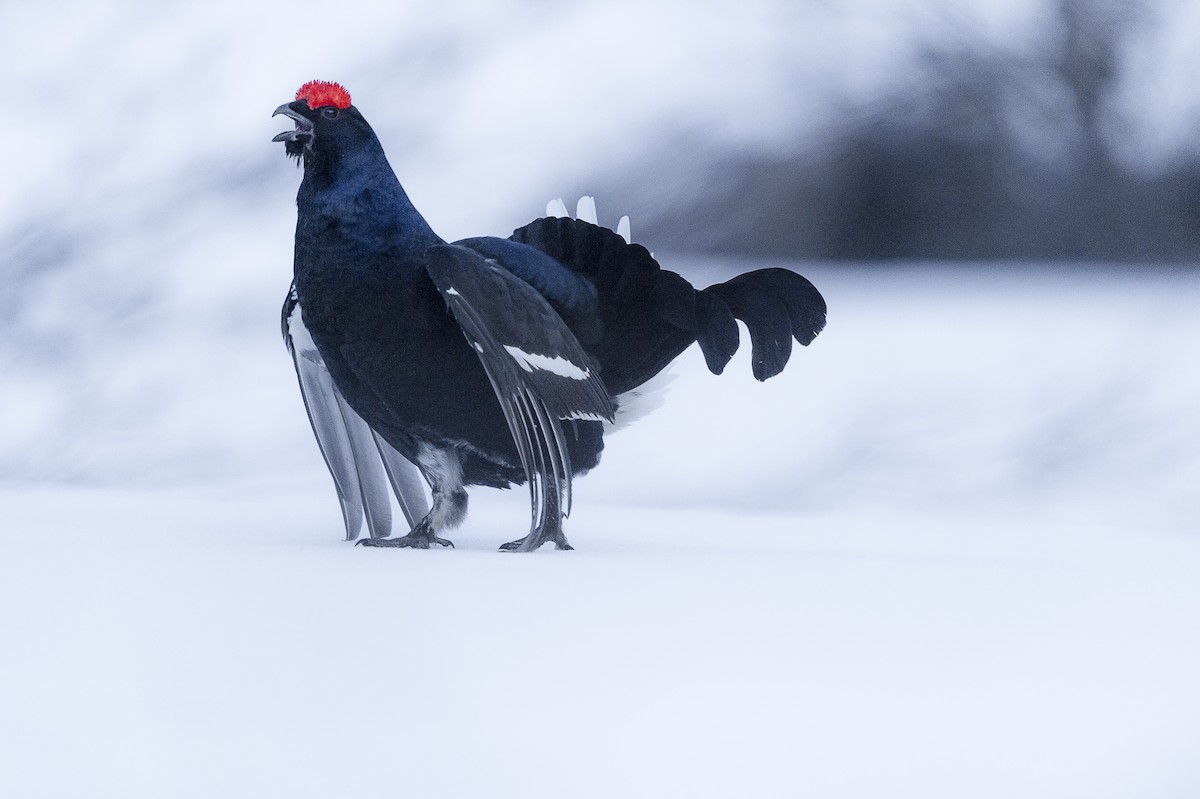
(442, 469)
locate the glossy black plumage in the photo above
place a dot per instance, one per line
(489, 361)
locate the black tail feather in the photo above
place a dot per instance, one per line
(718, 331)
(651, 315)
(676, 300)
(648, 314)
(776, 305)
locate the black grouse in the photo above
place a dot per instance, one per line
(485, 361)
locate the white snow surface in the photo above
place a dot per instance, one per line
(194, 643)
(951, 551)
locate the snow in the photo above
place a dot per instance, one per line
(949, 552)
(221, 644)
(173, 217)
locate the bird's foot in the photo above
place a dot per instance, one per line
(417, 539)
(535, 539)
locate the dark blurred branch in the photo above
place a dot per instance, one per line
(995, 154)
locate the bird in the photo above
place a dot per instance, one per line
(486, 361)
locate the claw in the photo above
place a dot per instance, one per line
(536, 540)
(410, 541)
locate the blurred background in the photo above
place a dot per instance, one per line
(1000, 200)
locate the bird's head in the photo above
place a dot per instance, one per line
(325, 121)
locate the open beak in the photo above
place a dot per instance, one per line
(303, 131)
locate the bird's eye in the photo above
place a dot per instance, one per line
(329, 112)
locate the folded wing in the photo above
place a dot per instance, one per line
(538, 369)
